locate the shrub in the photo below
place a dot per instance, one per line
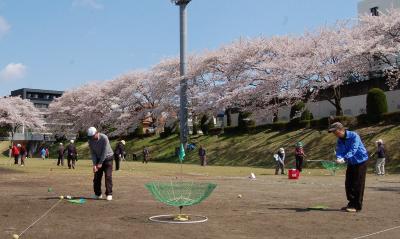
(280, 125)
(195, 128)
(244, 121)
(139, 130)
(307, 115)
(205, 124)
(362, 119)
(298, 107)
(167, 132)
(376, 104)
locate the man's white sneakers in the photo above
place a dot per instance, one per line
(109, 197)
(98, 197)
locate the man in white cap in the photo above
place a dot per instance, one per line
(71, 154)
(119, 153)
(351, 150)
(380, 161)
(60, 155)
(102, 158)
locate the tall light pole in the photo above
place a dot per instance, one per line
(183, 99)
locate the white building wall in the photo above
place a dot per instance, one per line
(364, 6)
(352, 106)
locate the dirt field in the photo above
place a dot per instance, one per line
(270, 207)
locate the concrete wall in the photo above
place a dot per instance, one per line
(352, 106)
(364, 6)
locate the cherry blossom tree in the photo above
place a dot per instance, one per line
(16, 113)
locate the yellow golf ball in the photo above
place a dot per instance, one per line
(15, 236)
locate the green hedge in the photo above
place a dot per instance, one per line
(376, 104)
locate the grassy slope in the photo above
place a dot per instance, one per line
(257, 149)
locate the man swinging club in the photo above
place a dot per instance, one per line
(102, 157)
(351, 150)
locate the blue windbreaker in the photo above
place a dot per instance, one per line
(351, 149)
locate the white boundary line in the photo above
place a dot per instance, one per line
(389, 229)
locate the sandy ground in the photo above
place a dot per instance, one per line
(270, 207)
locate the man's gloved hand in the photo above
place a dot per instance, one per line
(340, 161)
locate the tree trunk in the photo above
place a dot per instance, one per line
(228, 117)
(337, 97)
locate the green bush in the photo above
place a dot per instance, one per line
(280, 125)
(166, 133)
(299, 106)
(376, 104)
(139, 130)
(195, 129)
(307, 115)
(244, 122)
(204, 124)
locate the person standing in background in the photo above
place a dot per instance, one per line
(119, 153)
(280, 161)
(72, 154)
(203, 156)
(15, 153)
(146, 154)
(43, 153)
(299, 154)
(22, 154)
(380, 161)
(60, 155)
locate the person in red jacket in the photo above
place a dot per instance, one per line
(299, 154)
(15, 153)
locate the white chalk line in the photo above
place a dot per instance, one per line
(375, 233)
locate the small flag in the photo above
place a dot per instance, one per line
(181, 153)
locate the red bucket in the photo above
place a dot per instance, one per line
(294, 174)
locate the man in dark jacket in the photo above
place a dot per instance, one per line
(71, 154)
(351, 150)
(119, 153)
(60, 155)
(202, 155)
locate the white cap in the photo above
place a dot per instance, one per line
(123, 142)
(61, 143)
(71, 141)
(379, 141)
(91, 131)
(18, 145)
(282, 150)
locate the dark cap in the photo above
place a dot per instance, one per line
(335, 126)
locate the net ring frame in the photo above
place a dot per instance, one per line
(157, 219)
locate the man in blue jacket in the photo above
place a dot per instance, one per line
(351, 150)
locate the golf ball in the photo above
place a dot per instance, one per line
(61, 197)
(239, 196)
(15, 236)
(69, 197)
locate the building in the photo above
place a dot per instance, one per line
(376, 7)
(40, 98)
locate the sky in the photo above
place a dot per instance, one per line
(62, 44)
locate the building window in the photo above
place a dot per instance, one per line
(374, 11)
